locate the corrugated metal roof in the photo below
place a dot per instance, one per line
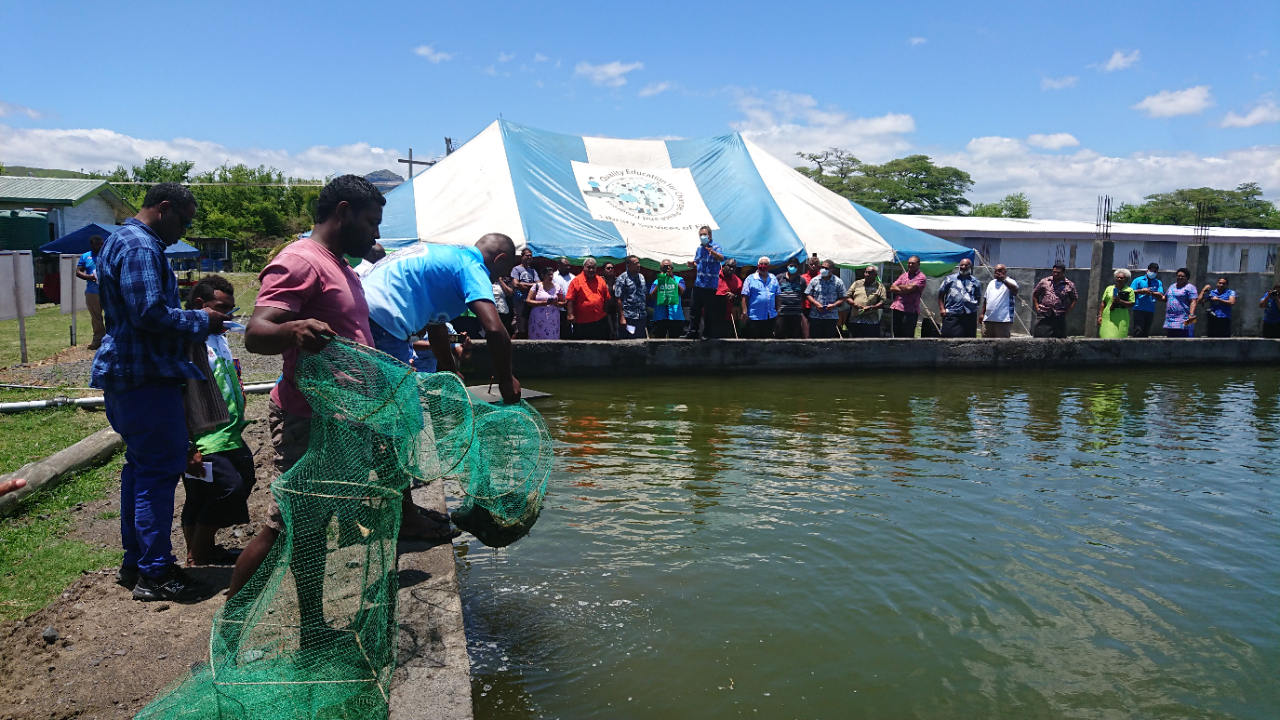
(954, 226)
(51, 191)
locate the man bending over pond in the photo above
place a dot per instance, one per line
(309, 296)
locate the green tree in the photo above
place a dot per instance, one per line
(913, 185)
(1240, 208)
(1014, 205)
(258, 209)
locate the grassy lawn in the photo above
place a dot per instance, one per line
(37, 562)
(28, 436)
(49, 331)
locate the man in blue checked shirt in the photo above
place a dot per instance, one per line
(707, 262)
(141, 369)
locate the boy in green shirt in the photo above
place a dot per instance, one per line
(221, 500)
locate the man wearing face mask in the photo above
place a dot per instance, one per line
(706, 260)
(958, 301)
(141, 368)
(728, 290)
(1149, 289)
(826, 295)
(791, 287)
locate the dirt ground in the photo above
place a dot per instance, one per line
(113, 655)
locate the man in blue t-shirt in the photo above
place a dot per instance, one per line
(87, 270)
(707, 262)
(415, 292)
(1148, 289)
(1218, 301)
(1270, 304)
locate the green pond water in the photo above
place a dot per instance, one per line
(894, 545)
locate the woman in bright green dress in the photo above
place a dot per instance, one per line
(1113, 313)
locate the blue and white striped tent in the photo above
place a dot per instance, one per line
(565, 195)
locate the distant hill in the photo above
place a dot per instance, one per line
(384, 180)
(24, 171)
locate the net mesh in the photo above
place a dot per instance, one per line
(313, 634)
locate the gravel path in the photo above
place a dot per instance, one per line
(71, 367)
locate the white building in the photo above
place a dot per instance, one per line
(1041, 243)
(70, 203)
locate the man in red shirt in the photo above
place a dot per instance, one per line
(727, 294)
(588, 295)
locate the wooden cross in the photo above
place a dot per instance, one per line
(411, 162)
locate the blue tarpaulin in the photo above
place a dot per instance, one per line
(77, 242)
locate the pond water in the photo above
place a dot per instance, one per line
(932, 545)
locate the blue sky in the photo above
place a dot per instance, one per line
(1064, 102)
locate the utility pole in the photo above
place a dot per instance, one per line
(411, 162)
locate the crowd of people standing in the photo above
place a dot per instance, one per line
(807, 299)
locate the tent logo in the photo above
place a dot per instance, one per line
(639, 194)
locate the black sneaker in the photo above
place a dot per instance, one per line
(174, 586)
(127, 576)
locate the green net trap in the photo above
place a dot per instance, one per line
(313, 634)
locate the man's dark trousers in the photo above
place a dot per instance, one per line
(598, 330)
(960, 326)
(1140, 323)
(904, 324)
(1050, 326)
(701, 311)
(151, 420)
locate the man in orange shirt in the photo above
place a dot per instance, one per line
(587, 295)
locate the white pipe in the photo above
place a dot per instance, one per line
(60, 401)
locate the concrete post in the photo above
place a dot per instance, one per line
(1100, 266)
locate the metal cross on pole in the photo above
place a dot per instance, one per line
(411, 162)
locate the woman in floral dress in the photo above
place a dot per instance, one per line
(546, 300)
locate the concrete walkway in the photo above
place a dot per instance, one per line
(432, 680)
(630, 358)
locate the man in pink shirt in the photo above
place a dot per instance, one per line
(907, 291)
(309, 296)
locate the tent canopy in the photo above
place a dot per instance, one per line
(77, 242)
(565, 195)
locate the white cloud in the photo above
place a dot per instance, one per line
(613, 74)
(103, 150)
(917, 41)
(506, 57)
(1056, 141)
(7, 109)
(1067, 186)
(786, 123)
(1172, 103)
(1060, 185)
(539, 57)
(655, 88)
(430, 53)
(491, 70)
(1119, 61)
(1061, 83)
(1264, 113)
